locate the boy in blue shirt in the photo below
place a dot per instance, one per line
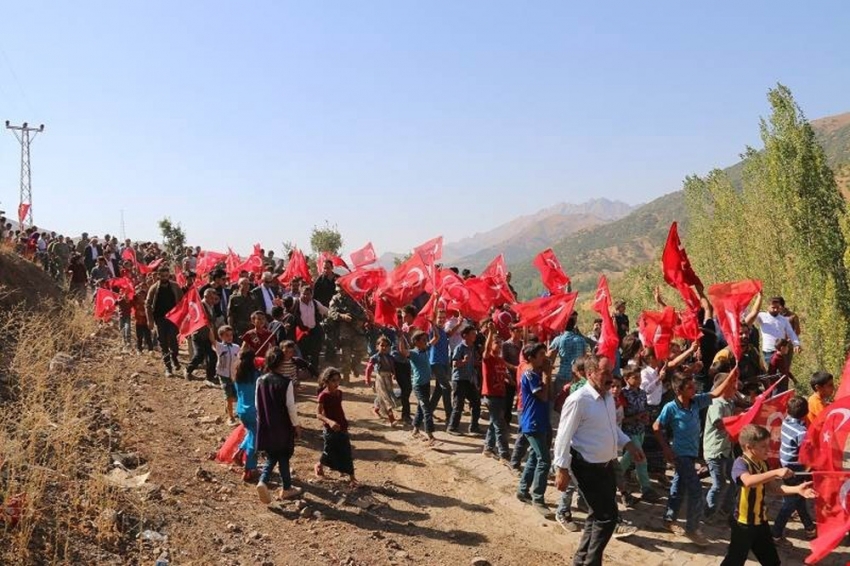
(420, 369)
(681, 416)
(535, 426)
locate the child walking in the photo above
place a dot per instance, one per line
(750, 531)
(717, 451)
(228, 358)
(336, 452)
(277, 425)
(382, 366)
(635, 419)
(793, 435)
(681, 415)
(245, 386)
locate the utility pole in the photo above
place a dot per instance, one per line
(25, 135)
(123, 228)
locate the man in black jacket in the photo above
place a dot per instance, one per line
(162, 297)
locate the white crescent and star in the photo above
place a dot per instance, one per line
(420, 276)
(194, 312)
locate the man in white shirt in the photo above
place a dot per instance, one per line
(265, 294)
(308, 316)
(773, 327)
(586, 447)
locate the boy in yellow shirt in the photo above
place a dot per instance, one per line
(823, 386)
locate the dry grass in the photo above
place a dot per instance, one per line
(56, 435)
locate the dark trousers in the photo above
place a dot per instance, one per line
(510, 395)
(423, 408)
(281, 461)
(791, 503)
(750, 537)
(442, 389)
(204, 353)
(496, 439)
(402, 377)
(520, 450)
(310, 346)
(463, 391)
(143, 337)
(167, 334)
(597, 485)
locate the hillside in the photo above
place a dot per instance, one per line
(637, 238)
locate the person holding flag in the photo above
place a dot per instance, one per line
(162, 297)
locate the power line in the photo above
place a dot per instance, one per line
(25, 135)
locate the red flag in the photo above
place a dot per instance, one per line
(364, 256)
(730, 300)
(826, 440)
(656, 330)
(551, 272)
(334, 259)
(768, 412)
(207, 261)
(844, 386)
(675, 263)
(180, 278)
(832, 508)
(23, 210)
(688, 326)
(129, 254)
(189, 315)
(104, 304)
(609, 340)
(551, 313)
(360, 282)
(431, 251)
(497, 272)
(406, 282)
(297, 267)
(385, 313)
(122, 284)
(151, 267)
(496, 269)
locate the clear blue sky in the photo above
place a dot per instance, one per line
(395, 120)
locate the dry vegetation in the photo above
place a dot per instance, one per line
(58, 395)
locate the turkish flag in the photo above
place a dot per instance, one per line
(675, 263)
(656, 330)
(129, 254)
(385, 313)
(297, 267)
(827, 444)
(151, 267)
(768, 412)
(23, 210)
(497, 272)
(364, 256)
(609, 340)
(550, 313)
(189, 315)
(551, 273)
(431, 251)
(104, 304)
(484, 293)
(832, 508)
(334, 259)
(207, 261)
(407, 281)
(122, 284)
(180, 278)
(688, 326)
(360, 282)
(730, 300)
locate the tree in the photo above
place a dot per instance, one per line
(326, 239)
(787, 226)
(398, 260)
(173, 238)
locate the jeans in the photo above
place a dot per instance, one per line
(124, 325)
(423, 408)
(463, 391)
(641, 470)
(497, 431)
(520, 450)
(280, 459)
(536, 471)
(204, 353)
(721, 475)
(565, 502)
(167, 335)
(249, 421)
(791, 503)
(597, 485)
(442, 389)
(510, 397)
(685, 485)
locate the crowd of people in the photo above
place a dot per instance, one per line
(604, 428)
